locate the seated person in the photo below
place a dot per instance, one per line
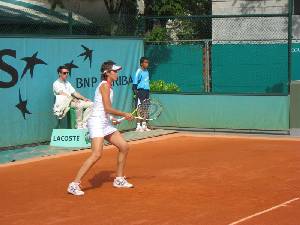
(82, 105)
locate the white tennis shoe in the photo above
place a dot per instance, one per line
(121, 182)
(144, 127)
(75, 189)
(139, 129)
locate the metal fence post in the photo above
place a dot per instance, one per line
(290, 41)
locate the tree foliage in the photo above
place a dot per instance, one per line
(177, 29)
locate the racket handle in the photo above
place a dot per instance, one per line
(121, 119)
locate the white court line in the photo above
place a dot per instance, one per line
(264, 211)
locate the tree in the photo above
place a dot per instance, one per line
(177, 7)
(55, 3)
(176, 29)
(122, 14)
(113, 7)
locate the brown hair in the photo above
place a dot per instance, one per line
(60, 68)
(105, 67)
(142, 59)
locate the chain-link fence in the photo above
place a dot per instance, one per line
(68, 26)
(172, 29)
(242, 54)
(211, 54)
(39, 18)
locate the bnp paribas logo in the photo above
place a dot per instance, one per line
(295, 50)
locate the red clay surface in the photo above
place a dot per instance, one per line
(180, 180)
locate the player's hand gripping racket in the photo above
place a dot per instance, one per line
(148, 110)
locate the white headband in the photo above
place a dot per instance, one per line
(114, 67)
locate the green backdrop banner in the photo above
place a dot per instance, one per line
(250, 68)
(296, 61)
(28, 69)
(220, 111)
(236, 68)
(180, 64)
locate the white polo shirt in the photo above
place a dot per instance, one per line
(63, 86)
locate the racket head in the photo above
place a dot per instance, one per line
(149, 109)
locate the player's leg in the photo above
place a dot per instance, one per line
(97, 148)
(117, 140)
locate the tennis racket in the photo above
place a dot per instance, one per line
(148, 110)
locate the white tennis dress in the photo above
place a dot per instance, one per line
(99, 123)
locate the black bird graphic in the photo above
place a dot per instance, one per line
(88, 53)
(22, 106)
(71, 66)
(30, 64)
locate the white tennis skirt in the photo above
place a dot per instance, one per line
(99, 128)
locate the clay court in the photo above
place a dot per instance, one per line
(179, 179)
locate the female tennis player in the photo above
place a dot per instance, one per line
(100, 128)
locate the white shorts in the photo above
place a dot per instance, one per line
(99, 128)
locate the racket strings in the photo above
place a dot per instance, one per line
(149, 109)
